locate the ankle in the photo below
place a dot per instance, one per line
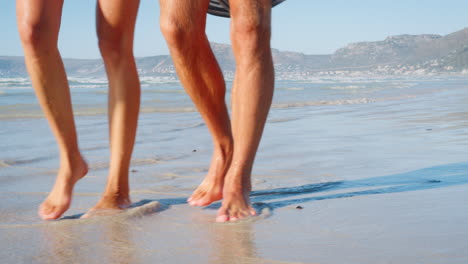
(72, 169)
(112, 197)
(240, 184)
(224, 144)
(71, 160)
(224, 151)
(114, 200)
(232, 191)
(116, 195)
(220, 162)
(121, 190)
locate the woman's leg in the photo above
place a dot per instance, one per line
(38, 25)
(115, 22)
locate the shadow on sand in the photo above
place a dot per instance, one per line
(422, 179)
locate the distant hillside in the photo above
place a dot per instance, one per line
(396, 55)
(431, 52)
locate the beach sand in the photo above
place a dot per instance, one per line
(362, 172)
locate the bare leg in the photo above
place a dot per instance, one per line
(115, 28)
(251, 100)
(183, 25)
(38, 25)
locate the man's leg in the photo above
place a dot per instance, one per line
(115, 22)
(252, 94)
(183, 25)
(38, 25)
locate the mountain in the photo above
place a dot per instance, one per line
(420, 51)
(396, 55)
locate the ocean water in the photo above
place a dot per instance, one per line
(326, 142)
(311, 124)
(314, 128)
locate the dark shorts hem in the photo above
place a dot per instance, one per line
(221, 7)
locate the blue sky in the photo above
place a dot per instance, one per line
(308, 26)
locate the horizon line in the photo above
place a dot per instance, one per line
(228, 44)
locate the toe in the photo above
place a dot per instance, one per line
(196, 202)
(190, 199)
(49, 213)
(51, 216)
(253, 212)
(193, 200)
(204, 201)
(244, 215)
(236, 216)
(222, 216)
(194, 196)
(45, 210)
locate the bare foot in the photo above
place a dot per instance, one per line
(109, 204)
(236, 203)
(59, 199)
(211, 189)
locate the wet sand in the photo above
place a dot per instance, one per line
(367, 182)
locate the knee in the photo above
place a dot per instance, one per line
(251, 32)
(114, 44)
(36, 37)
(178, 34)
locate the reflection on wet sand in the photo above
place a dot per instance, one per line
(108, 241)
(121, 247)
(63, 243)
(233, 243)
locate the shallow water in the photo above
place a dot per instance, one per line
(379, 166)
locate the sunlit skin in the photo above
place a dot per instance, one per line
(115, 24)
(235, 141)
(38, 25)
